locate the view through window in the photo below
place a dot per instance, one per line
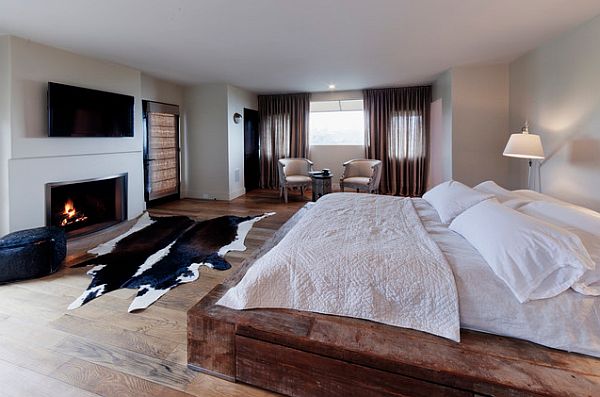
(336, 123)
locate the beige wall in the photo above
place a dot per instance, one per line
(437, 150)
(557, 88)
(33, 66)
(479, 123)
(206, 169)
(30, 158)
(441, 157)
(214, 144)
(237, 100)
(36, 159)
(5, 138)
(158, 90)
(474, 124)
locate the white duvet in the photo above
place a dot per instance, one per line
(357, 255)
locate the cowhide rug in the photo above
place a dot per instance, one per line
(159, 253)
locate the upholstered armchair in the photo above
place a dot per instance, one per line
(361, 174)
(294, 173)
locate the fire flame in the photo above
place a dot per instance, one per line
(69, 209)
(69, 213)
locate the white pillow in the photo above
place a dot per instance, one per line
(535, 259)
(451, 198)
(582, 222)
(569, 216)
(491, 187)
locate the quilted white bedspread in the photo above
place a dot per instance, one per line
(357, 255)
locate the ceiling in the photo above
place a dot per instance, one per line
(295, 45)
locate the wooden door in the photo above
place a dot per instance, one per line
(161, 152)
(251, 153)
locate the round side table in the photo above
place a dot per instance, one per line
(321, 185)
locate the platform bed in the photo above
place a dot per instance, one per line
(299, 353)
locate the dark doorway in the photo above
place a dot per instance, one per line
(161, 152)
(251, 156)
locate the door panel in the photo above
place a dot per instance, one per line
(161, 155)
(251, 150)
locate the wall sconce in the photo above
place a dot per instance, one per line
(237, 118)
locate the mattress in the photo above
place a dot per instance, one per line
(569, 321)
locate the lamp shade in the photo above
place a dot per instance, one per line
(525, 146)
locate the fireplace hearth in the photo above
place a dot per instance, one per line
(86, 206)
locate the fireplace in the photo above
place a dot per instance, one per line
(86, 206)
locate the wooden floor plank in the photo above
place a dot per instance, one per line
(114, 335)
(38, 359)
(109, 382)
(19, 382)
(154, 369)
(100, 348)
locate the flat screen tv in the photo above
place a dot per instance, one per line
(81, 112)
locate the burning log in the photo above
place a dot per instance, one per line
(70, 215)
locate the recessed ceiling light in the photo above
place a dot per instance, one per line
(332, 86)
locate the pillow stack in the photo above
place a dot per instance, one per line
(583, 223)
(535, 259)
(452, 198)
(539, 246)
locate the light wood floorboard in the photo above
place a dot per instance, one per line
(101, 350)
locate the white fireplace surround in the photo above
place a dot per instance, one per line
(34, 159)
(28, 179)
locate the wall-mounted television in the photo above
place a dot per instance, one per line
(81, 112)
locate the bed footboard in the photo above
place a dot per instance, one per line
(211, 341)
(307, 354)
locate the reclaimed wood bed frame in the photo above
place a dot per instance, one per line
(298, 353)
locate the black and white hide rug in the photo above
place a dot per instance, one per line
(159, 253)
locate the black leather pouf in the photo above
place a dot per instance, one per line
(31, 253)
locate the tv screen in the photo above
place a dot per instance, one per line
(81, 112)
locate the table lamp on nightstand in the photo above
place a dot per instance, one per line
(527, 146)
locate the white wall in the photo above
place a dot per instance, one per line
(480, 123)
(28, 179)
(557, 88)
(33, 66)
(474, 125)
(237, 100)
(207, 165)
(214, 144)
(442, 91)
(30, 158)
(5, 138)
(36, 159)
(157, 90)
(437, 151)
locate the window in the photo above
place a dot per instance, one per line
(409, 125)
(337, 123)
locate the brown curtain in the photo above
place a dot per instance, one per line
(397, 133)
(283, 131)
